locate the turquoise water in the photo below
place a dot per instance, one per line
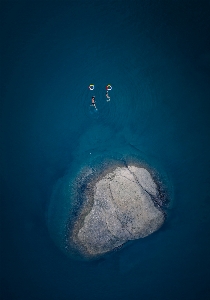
(156, 56)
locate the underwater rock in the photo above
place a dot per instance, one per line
(121, 205)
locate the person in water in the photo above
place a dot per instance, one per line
(93, 102)
(107, 95)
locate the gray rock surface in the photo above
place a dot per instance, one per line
(122, 210)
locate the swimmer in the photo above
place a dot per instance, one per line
(93, 102)
(107, 96)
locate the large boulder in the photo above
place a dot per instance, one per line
(124, 207)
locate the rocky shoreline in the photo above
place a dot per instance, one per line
(119, 204)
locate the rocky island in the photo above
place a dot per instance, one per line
(122, 204)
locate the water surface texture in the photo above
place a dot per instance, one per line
(156, 56)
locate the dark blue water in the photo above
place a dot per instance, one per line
(156, 56)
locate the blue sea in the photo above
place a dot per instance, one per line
(156, 56)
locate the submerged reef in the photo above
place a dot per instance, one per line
(105, 204)
(119, 204)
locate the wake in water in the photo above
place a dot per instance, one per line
(93, 112)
